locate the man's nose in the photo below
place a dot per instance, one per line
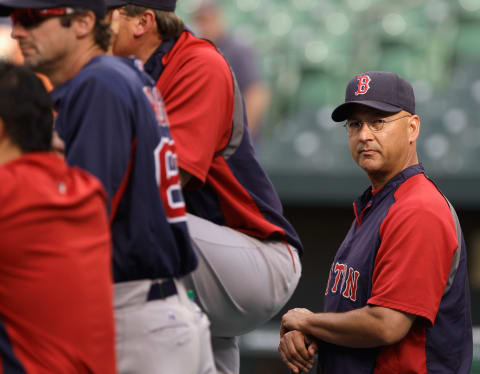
(365, 132)
(18, 31)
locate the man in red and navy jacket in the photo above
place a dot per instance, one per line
(248, 252)
(397, 298)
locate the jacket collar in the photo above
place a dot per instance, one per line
(367, 198)
(154, 65)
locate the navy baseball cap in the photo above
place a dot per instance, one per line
(167, 5)
(380, 90)
(8, 6)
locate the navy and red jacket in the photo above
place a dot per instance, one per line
(114, 125)
(404, 251)
(210, 129)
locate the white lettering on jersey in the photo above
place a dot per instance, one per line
(168, 181)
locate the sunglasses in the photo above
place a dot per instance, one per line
(29, 18)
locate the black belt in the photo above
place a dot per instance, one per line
(159, 291)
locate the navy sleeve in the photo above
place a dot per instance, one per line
(98, 133)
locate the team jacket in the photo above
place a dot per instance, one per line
(404, 251)
(209, 125)
(56, 294)
(114, 125)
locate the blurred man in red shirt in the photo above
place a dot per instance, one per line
(56, 308)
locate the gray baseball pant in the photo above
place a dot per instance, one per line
(241, 283)
(169, 335)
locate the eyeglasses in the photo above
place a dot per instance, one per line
(29, 18)
(374, 125)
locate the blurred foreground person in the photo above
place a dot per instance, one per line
(397, 298)
(55, 271)
(114, 125)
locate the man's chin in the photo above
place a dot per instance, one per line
(370, 166)
(117, 52)
(33, 65)
(121, 52)
(29, 62)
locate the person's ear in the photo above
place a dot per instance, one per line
(413, 128)
(146, 22)
(83, 24)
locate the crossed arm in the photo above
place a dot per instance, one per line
(370, 326)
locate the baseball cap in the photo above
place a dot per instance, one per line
(380, 90)
(8, 6)
(168, 5)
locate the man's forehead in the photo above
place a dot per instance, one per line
(359, 110)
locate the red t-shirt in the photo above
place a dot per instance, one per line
(56, 303)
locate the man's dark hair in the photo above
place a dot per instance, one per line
(101, 30)
(25, 109)
(169, 25)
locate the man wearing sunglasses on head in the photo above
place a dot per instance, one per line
(114, 125)
(397, 297)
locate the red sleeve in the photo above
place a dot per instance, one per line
(198, 95)
(412, 266)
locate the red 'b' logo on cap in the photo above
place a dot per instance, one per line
(363, 84)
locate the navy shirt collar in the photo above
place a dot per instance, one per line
(154, 65)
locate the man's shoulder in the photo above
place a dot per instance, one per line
(419, 206)
(104, 78)
(45, 174)
(29, 164)
(421, 194)
(110, 71)
(189, 47)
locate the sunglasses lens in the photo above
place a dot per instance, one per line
(25, 17)
(32, 17)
